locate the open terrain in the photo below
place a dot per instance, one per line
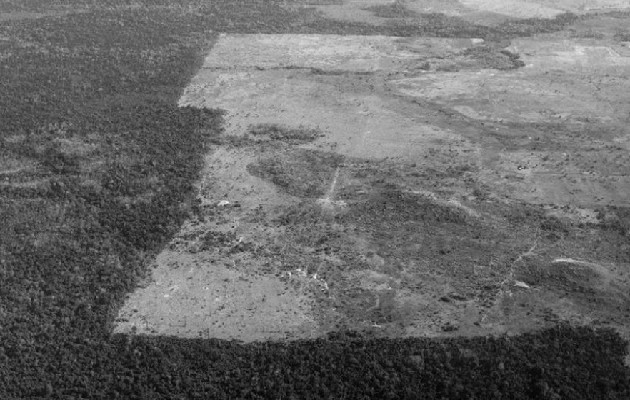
(326, 199)
(401, 185)
(493, 178)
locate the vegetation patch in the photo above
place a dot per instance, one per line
(489, 57)
(622, 36)
(394, 10)
(302, 173)
(615, 219)
(532, 26)
(277, 132)
(563, 276)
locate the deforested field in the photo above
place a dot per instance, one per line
(300, 200)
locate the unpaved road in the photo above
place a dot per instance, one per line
(405, 186)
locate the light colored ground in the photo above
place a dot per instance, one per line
(542, 8)
(214, 292)
(288, 246)
(374, 116)
(489, 12)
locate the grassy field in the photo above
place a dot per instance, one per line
(97, 166)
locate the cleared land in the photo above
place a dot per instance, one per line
(404, 186)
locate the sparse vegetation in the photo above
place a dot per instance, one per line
(394, 10)
(490, 57)
(302, 173)
(622, 36)
(284, 134)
